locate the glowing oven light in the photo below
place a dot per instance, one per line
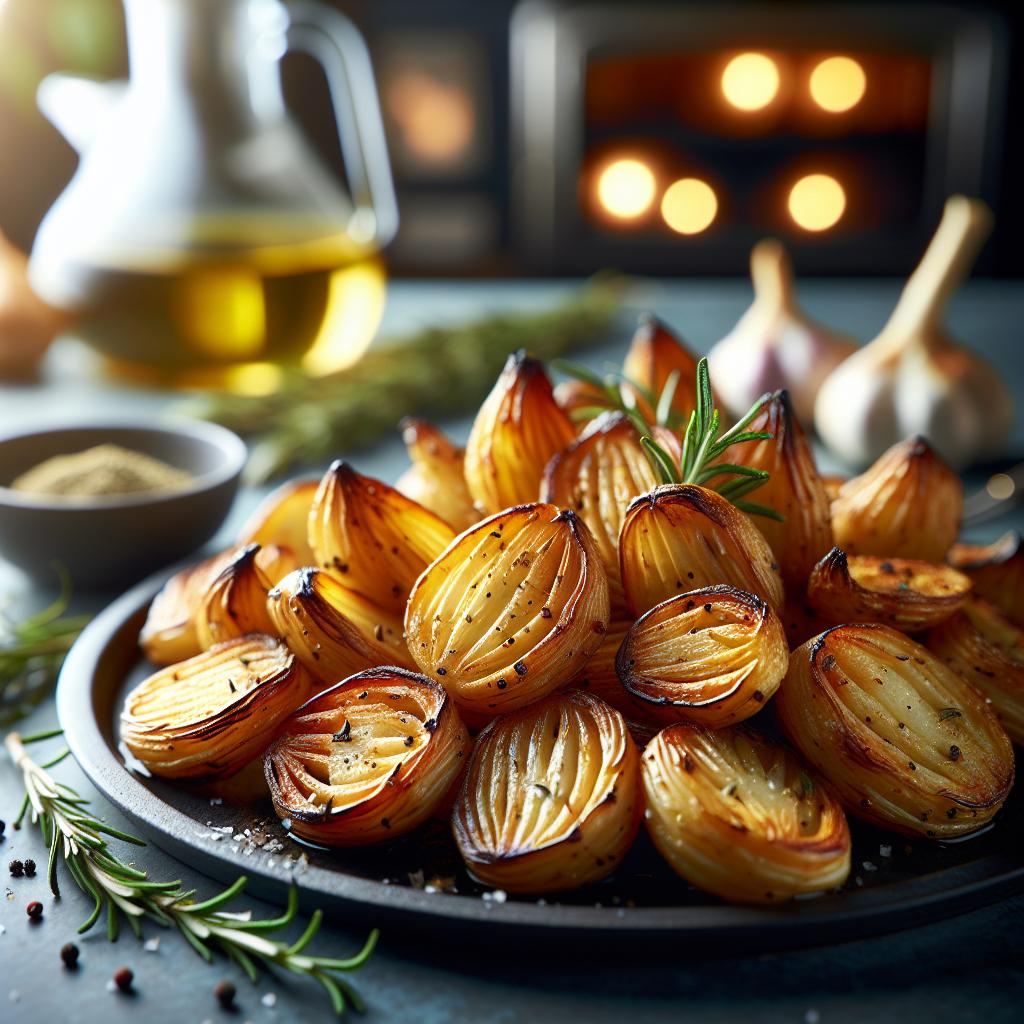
(750, 81)
(689, 206)
(625, 188)
(817, 202)
(838, 84)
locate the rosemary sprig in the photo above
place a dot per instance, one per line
(32, 652)
(702, 444)
(438, 371)
(78, 838)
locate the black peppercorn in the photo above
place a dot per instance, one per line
(123, 978)
(225, 993)
(30, 867)
(69, 954)
(17, 868)
(34, 910)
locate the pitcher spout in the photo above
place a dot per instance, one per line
(76, 106)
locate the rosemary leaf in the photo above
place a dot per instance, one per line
(75, 838)
(32, 652)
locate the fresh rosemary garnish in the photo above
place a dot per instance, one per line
(439, 371)
(702, 444)
(78, 838)
(32, 652)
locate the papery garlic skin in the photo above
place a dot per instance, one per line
(654, 355)
(913, 378)
(334, 631)
(904, 593)
(598, 476)
(551, 799)
(713, 656)
(511, 611)
(681, 537)
(367, 760)
(997, 572)
(374, 539)
(774, 345)
(436, 478)
(516, 431)
(907, 743)
(209, 716)
(907, 505)
(740, 817)
(793, 489)
(987, 650)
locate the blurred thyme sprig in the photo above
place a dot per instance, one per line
(438, 371)
(702, 443)
(32, 652)
(75, 836)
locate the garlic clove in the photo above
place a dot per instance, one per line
(907, 505)
(996, 570)
(516, 431)
(681, 537)
(913, 378)
(774, 345)
(436, 479)
(793, 489)
(27, 324)
(654, 355)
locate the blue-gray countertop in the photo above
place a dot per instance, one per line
(970, 968)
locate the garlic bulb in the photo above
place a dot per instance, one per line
(775, 345)
(27, 324)
(914, 378)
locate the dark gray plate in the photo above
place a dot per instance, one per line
(894, 884)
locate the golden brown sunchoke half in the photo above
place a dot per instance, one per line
(374, 539)
(793, 489)
(510, 611)
(997, 572)
(334, 631)
(906, 742)
(713, 656)
(436, 478)
(551, 799)
(741, 817)
(368, 759)
(987, 649)
(902, 592)
(516, 431)
(681, 537)
(907, 505)
(208, 716)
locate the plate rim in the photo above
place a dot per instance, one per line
(861, 912)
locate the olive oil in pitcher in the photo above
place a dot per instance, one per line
(209, 313)
(202, 240)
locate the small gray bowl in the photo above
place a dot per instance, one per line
(113, 541)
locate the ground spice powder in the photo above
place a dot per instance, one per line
(107, 469)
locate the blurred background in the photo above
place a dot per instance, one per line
(557, 138)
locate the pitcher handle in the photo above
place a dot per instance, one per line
(336, 44)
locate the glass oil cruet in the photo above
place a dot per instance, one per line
(201, 239)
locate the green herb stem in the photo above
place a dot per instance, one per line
(79, 840)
